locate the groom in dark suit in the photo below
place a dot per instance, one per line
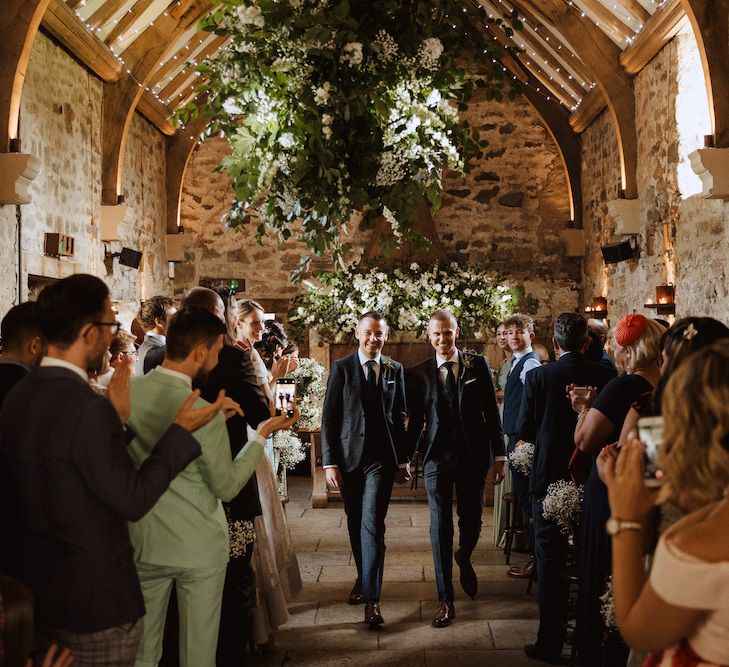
(548, 420)
(452, 395)
(364, 450)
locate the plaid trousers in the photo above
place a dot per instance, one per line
(114, 647)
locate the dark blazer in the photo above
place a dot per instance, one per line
(73, 488)
(478, 410)
(343, 417)
(10, 374)
(235, 374)
(547, 418)
(154, 357)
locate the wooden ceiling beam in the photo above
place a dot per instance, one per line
(636, 9)
(710, 21)
(590, 108)
(120, 99)
(180, 57)
(600, 54)
(67, 28)
(536, 21)
(104, 13)
(658, 30)
(156, 113)
(175, 84)
(611, 22)
(119, 32)
(19, 23)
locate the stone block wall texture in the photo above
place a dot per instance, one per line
(504, 215)
(61, 125)
(684, 238)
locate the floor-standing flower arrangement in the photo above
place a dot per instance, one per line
(337, 107)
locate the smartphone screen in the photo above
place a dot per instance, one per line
(285, 396)
(650, 432)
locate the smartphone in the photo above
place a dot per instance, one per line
(650, 432)
(580, 390)
(285, 396)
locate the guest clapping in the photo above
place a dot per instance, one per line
(682, 611)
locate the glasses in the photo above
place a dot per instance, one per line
(129, 353)
(113, 326)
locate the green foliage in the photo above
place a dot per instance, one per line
(331, 111)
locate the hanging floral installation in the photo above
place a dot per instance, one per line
(334, 115)
(406, 298)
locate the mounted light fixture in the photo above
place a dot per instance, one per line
(598, 310)
(665, 303)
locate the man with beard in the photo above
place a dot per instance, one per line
(69, 485)
(183, 540)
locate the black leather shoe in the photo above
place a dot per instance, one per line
(468, 579)
(355, 596)
(536, 652)
(372, 615)
(445, 614)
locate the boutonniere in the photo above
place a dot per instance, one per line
(467, 361)
(387, 363)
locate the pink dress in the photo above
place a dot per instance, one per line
(686, 581)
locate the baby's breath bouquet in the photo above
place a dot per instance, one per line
(341, 107)
(522, 457)
(311, 387)
(563, 504)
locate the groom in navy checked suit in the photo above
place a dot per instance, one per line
(364, 450)
(452, 394)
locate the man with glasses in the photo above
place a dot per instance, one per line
(69, 486)
(122, 349)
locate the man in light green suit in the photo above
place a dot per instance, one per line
(183, 540)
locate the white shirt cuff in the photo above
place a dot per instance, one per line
(325, 467)
(256, 437)
(499, 459)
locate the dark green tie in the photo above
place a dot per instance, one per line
(450, 380)
(372, 376)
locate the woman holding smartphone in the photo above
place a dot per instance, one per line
(681, 612)
(637, 350)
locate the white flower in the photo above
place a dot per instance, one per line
(352, 53)
(430, 52)
(321, 94)
(522, 457)
(231, 106)
(286, 140)
(326, 119)
(434, 98)
(563, 504)
(327, 132)
(250, 16)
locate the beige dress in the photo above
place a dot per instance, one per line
(505, 486)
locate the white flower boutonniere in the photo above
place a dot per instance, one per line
(467, 361)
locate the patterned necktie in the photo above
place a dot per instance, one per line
(450, 379)
(371, 375)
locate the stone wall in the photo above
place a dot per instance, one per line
(684, 238)
(60, 123)
(504, 215)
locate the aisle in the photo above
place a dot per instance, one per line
(324, 630)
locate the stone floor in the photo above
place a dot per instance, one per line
(325, 631)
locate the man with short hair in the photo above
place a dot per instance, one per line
(70, 486)
(600, 330)
(363, 445)
(22, 345)
(122, 348)
(548, 420)
(153, 315)
(452, 395)
(183, 540)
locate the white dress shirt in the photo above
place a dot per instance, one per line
(529, 364)
(363, 361)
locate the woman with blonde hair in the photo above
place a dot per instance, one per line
(680, 612)
(637, 350)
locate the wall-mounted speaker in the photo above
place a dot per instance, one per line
(619, 252)
(129, 257)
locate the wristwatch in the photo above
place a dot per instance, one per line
(614, 525)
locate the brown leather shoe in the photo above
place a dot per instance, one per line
(372, 615)
(522, 571)
(355, 596)
(468, 579)
(445, 614)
